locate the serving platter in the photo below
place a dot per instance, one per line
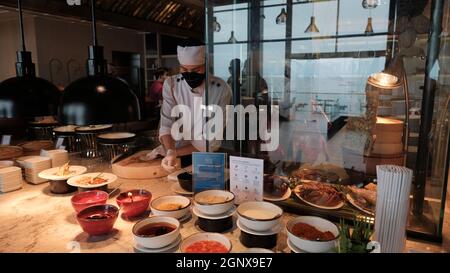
(108, 176)
(50, 174)
(297, 193)
(355, 204)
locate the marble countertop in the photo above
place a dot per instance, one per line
(35, 220)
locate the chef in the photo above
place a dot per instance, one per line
(182, 89)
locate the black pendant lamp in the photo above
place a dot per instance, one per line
(27, 96)
(98, 98)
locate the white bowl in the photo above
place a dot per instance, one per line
(156, 241)
(259, 216)
(184, 202)
(214, 208)
(205, 236)
(313, 246)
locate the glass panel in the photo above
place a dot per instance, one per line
(314, 61)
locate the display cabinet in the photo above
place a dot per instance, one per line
(356, 84)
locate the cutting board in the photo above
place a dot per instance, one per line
(134, 168)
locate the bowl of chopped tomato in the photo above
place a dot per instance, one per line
(206, 242)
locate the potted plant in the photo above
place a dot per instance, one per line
(357, 240)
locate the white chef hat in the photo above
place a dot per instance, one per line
(191, 55)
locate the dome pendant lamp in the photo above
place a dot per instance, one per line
(27, 96)
(98, 98)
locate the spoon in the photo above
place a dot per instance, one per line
(116, 188)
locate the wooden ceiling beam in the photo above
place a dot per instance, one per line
(60, 8)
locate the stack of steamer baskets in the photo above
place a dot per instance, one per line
(70, 140)
(88, 136)
(115, 143)
(388, 147)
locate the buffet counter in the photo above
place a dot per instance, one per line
(35, 220)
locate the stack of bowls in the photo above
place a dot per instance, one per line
(260, 223)
(214, 210)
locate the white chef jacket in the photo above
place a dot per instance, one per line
(176, 91)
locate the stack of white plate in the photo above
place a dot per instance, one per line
(393, 190)
(59, 157)
(33, 165)
(6, 163)
(10, 179)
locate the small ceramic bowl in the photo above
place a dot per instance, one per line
(185, 181)
(180, 206)
(134, 202)
(259, 216)
(86, 199)
(98, 219)
(205, 237)
(158, 241)
(205, 203)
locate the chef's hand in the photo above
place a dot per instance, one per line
(169, 163)
(154, 153)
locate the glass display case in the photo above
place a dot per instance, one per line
(349, 85)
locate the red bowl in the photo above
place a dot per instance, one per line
(98, 219)
(135, 205)
(82, 200)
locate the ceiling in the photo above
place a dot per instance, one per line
(183, 18)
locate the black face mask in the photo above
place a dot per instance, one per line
(194, 79)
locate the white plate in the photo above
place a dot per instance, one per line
(215, 217)
(338, 206)
(282, 198)
(294, 248)
(158, 250)
(298, 250)
(257, 250)
(353, 202)
(108, 176)
(50, 174)
(176, 188)
(173, 176)
(184, 218)
(276, 229)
